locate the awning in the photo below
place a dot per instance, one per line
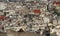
(37, 11)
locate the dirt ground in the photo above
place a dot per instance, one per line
(3, 34)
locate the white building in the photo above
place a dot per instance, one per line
(2, 6)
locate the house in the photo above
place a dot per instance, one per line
(57, 6)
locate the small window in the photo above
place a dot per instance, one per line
(1, 10)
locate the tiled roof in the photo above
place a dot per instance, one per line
(56, 3)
